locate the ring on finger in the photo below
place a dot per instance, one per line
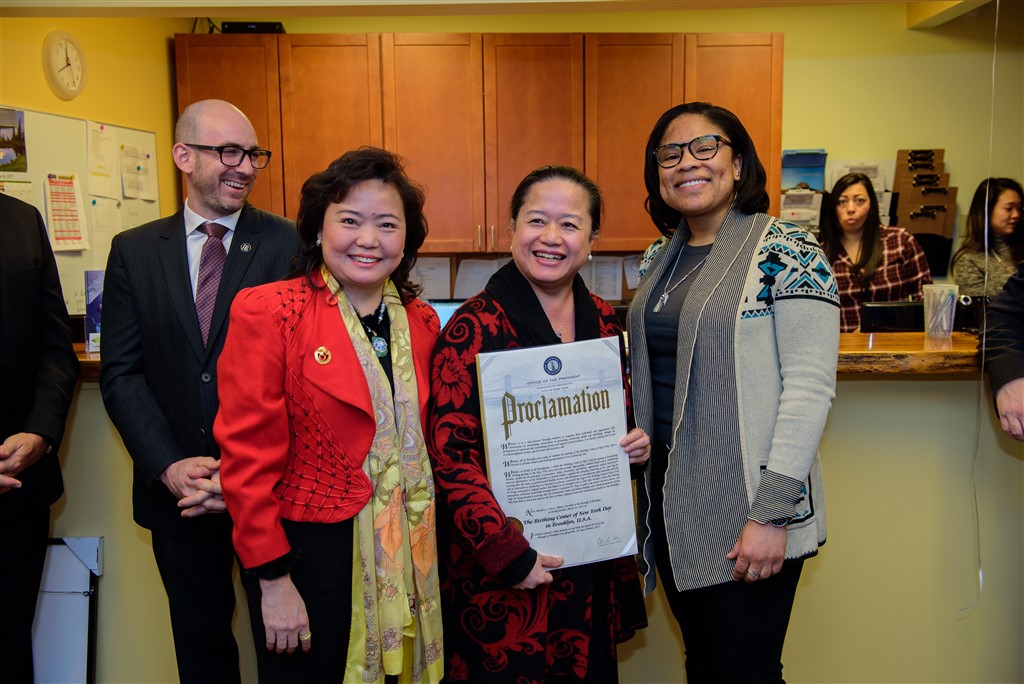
(306, 637)
(753, 574)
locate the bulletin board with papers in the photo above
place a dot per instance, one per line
(89, 180)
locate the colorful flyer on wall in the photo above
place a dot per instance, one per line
(65, 213)
(93, 309)
(553, 417)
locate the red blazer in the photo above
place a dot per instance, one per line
(293, 432)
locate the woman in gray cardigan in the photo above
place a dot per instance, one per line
(994, 243)
(734, 335)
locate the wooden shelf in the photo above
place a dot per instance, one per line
(907, 353)
(859, 354)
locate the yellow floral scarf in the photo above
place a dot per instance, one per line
(396, 608)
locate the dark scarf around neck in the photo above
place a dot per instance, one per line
(516, 296)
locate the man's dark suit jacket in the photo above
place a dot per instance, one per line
(37, 361)
(1004, 359)
(159, 384)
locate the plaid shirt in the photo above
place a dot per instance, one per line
(900, 276)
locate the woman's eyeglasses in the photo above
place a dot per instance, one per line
(703, 148)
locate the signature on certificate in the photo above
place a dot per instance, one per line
(605, 541)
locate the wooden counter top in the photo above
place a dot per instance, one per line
(907, 353)
(89, 364)
(859, 353)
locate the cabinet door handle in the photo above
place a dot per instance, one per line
(479, 236)
(494, 245)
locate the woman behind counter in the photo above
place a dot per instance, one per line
(323, 388)
(509, 616)
(995, 238)
(872, 262)
(734, 337)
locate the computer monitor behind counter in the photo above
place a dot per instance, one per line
(445, 308)
(909, 316)
(892, 317)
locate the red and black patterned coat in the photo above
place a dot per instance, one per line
(566, 630)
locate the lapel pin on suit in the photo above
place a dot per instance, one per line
(322, 355)
(245, 247)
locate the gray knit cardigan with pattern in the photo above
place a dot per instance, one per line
(785, 342)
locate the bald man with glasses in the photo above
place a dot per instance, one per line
(167, 290)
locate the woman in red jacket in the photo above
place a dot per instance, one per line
(323, 388)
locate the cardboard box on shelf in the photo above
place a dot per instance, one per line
(927, 218)
(920, 167)
(926, 194)
(919, 177)
(919, 180)
(903, 157)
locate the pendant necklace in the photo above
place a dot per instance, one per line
(568, 321)
(377, 341)
(667, 292)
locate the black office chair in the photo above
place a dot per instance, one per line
(937, 250)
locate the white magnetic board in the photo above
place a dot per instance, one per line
(60, 145)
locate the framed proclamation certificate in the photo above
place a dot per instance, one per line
(552, 420)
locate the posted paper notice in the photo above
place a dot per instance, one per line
(553, 417)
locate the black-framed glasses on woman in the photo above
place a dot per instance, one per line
(232, 155)
(703, 148)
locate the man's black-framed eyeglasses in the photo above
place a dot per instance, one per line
(232, 155)
(703, 148)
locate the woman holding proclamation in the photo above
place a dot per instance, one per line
(323, 390)
(509, 614)
(734, 334)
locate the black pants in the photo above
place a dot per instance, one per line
(196, 571)
(733, 632)
(22, 554)
(323, 576)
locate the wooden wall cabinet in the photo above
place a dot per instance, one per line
(472, 114)
(330, 102)
(209, 66)
(310, 97)
(433, 117)
(533, 109)
(631, 80)
(743, 73)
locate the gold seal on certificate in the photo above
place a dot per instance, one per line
(552, 420)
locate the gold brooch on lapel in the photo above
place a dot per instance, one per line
(322, 355)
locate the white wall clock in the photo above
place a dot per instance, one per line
(64, 64)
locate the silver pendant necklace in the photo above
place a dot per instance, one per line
(377, 341)
(667, 292)
(568, 321)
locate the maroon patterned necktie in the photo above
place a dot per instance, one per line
(211, 266)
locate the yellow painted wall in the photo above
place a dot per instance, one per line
(133, 634)
(881, 603)
(130, 82)
(892, 597)
(856, 81)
